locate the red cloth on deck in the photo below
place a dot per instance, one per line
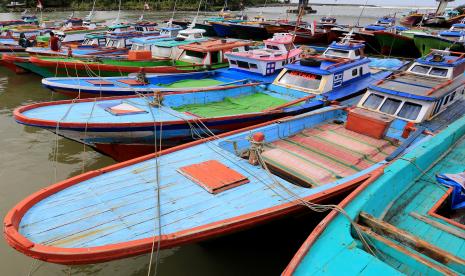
(54, 43)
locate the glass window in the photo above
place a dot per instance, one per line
(301, 79)
(243, 64)
(273, 47)
(354, 72)
(440, 72)
(361, 70)
(197, 35)
(420, 69)
(252, 65)
(193, 56)
(446, 100)
(357, 52)
(390, 106)
(336, 53)
(232, 61)
(373, 101)
(409, 111)
(452, 96)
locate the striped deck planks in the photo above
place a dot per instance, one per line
(317, 156)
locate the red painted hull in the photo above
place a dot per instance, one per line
(8, 60)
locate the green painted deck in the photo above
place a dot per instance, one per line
(192, 83)
(233, 106)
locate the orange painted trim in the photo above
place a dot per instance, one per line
(433, 211)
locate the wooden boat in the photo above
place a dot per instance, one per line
(311, 82)
(367, 33)
(453, 39)
(250, 30)
(215, 186)
(410, 222)
(277, 52)
(223, 29)
(131, 85)
(394, 42)
(194, 57)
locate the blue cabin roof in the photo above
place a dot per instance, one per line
(386, 20)
(375, 28)
(148, 40)
(350, 46)
(459, 25)
(449, 61)
(323, 68)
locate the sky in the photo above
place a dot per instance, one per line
(409, 3)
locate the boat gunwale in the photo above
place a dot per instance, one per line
(87, 255)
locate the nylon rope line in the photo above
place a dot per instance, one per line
(84, 160)
(157, 177)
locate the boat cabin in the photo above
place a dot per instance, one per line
(120, 28)
(96, 39)
(73, 22)
(172, 31)
(277, 52)
(342, 62)
(120, 40)
(386, 23)
(147, 27)
(169, 47)
(327, 20)
(427, 88)
(190, 34)
(210, 52)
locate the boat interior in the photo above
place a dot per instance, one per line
(420, 230)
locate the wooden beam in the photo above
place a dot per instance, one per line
(451, 230)
(418, 258)
(423, 247)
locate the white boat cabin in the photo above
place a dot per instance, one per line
(341, 63)
(423, 91)
(276, 53)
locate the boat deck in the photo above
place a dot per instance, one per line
(324, 154)
(414, 204)
(120, 206)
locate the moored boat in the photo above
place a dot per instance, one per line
(218, 185)
(341, 74)
(453, 39)
(405, 222)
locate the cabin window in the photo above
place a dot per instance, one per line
(243, 64)
(235, 50)
(373, 101)
(440, 72)
(452, 96)
(336, 53)
(215, 57)
(390, 106)
(272, 47)
(193, 56)
(354, 72)
(446, 100)
(253, 66)
(357, 52)
(301, 79)
(361, 70)
(420, 69)
(232, 61)
(409, 111)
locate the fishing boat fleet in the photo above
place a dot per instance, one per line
(217, 132)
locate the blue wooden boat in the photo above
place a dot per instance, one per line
(220, 184)
(118, 86)
(340, 74)
(411, 222)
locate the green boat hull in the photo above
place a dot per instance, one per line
(425, 43)
(397, 45)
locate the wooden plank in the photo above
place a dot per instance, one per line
(414, 242)
(453, 231)
(418, 258)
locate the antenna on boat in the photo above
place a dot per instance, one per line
(91, 13)
(194, 21)
(116, 21)
(361, 12)
(170, 22)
